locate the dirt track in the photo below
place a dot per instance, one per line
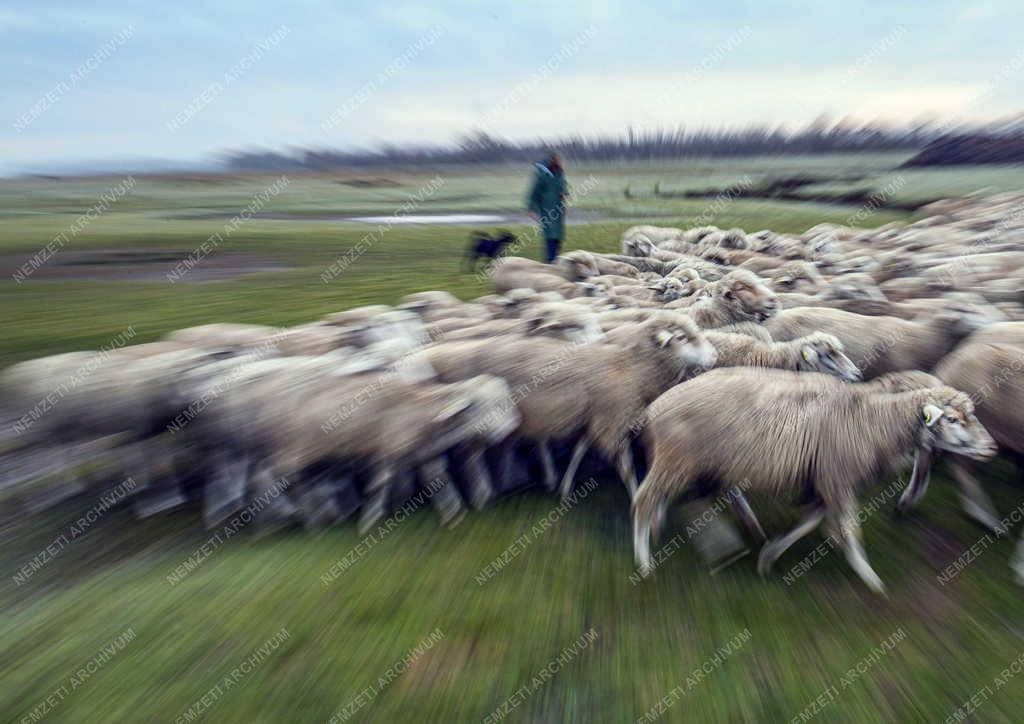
(137, 265)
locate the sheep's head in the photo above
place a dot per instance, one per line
(669, 289)
(853, 286)
(690, 279)
(638, 245)
(962, 316)
(797, 277)
(897, 264)
(683, 340)
(578, 266)
(824, 245)
(747, 296)
(822, 352)
(577, 327)
(948, 423)
(734, 239)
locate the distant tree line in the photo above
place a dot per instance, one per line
(821, 136)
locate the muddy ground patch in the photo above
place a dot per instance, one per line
(137, 265)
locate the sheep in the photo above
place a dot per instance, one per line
(307, 339)
(296, 415)
(656, 234)
(750, 329)
(1000, 333)
(739, 296)
(563, 321)
(706, 270)
(596, 391)
(435, 306)
(734, 239)
(639, 246)
(852, 286)
(884, 344)
(577, 266)
(357, 316)
(612, 319)
(450, 330)
(992, 372)
(231, 336)
(129, 395)
(374, 323)
(644, 263)
(515, 272)
(665, 290)
(795, 276)
(818, 352)
(596, 264)
(798, 439)
(614, 280)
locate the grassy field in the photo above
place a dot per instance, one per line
(560, 633)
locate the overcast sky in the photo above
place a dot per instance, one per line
(184, 79)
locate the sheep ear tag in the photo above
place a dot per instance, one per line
(807, 352)
(931, 414)
(664, 337)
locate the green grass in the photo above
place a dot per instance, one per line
(497, 636)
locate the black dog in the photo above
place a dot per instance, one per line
(482, 244)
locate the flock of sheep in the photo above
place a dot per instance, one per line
(695, 363)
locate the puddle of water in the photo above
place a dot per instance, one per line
(431, 219)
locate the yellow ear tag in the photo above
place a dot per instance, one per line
(807, 355)
(927, 417)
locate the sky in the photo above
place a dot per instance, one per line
(185, 80)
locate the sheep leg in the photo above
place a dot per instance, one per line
(446, 499)
(772, 550)
(658, 520)
(574, 463)
(975, 500)
(547, 464)
(1017, 562)
(741, 508)
(224, 493)
(506, 462)
(481, 488)
(642, 541)
(375, 507)
(919, 478)
(849, 528)
(347, 496)
(624, 463)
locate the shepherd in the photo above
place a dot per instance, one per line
(546, 204)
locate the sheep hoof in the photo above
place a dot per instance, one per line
(876, 585)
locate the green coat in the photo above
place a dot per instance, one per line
(547, 200)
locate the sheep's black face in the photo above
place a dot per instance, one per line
(954, 428)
